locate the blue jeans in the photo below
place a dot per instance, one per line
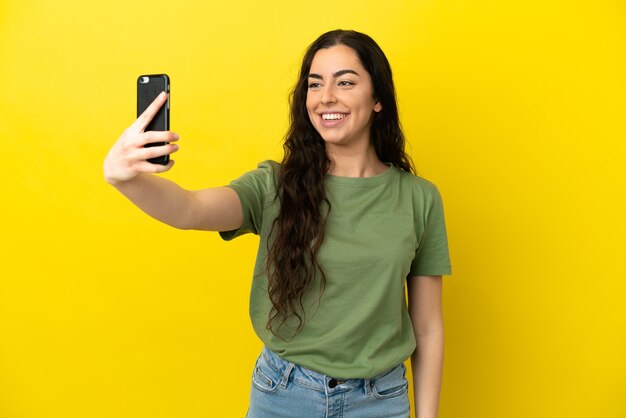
(282, 389)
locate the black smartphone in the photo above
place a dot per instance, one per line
(149, 86)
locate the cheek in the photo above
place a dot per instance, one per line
(366, 101)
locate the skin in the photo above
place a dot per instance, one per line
(425, 310)
(348, 143)
(125, 168)
(218, 208)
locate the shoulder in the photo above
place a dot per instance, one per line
(264, 177)
(269, 170)
(419, 186)
(265, 169)
(269, 165)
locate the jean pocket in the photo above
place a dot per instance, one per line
(391, 384)
(265, 377)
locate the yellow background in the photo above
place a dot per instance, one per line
(514, 109)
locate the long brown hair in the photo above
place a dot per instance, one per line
(300, 226)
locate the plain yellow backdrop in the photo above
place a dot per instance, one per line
(514, 109)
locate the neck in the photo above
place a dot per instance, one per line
(354, 162)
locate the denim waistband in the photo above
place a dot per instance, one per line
(313, 379)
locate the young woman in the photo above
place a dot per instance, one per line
(344, 223)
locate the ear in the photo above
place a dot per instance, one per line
(377, 107)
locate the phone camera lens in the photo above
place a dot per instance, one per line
(143, 80)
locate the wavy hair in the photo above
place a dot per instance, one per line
(300, 225)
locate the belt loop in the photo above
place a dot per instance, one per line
(367, 387)
(285, 378)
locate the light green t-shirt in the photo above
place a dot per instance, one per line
(380, 230)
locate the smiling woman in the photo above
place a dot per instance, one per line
(344, 226)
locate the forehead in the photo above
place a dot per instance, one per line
(337, 57)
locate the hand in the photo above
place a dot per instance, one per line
(127, 157)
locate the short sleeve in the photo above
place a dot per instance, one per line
(432, 257)
(252, 189)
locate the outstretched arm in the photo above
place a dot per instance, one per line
(126, 169)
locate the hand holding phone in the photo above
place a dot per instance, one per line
(128, 157)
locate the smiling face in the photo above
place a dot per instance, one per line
(340, 100)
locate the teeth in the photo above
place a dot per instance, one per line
(333, 116)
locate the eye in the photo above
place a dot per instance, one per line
(346, 83)
(313, 85)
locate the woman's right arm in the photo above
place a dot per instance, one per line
(126, 169)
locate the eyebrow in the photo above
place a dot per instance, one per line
(335, 75)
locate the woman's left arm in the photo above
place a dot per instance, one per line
(425, 310)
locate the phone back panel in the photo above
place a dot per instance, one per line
(149, 86)
(146, 93)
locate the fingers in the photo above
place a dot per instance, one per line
(156, 136)
(158, 151)
(128, 156)
(144, 119)
(147, 167)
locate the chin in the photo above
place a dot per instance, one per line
(331, 139)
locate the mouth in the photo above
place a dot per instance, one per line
(333, 116)
(332, 119)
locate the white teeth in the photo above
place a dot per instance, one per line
(333, 116)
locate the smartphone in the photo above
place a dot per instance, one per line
(149, 86)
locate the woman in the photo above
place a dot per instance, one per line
(343, 223)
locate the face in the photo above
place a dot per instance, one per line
(339, 97)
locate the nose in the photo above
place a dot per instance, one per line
(328, 94)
